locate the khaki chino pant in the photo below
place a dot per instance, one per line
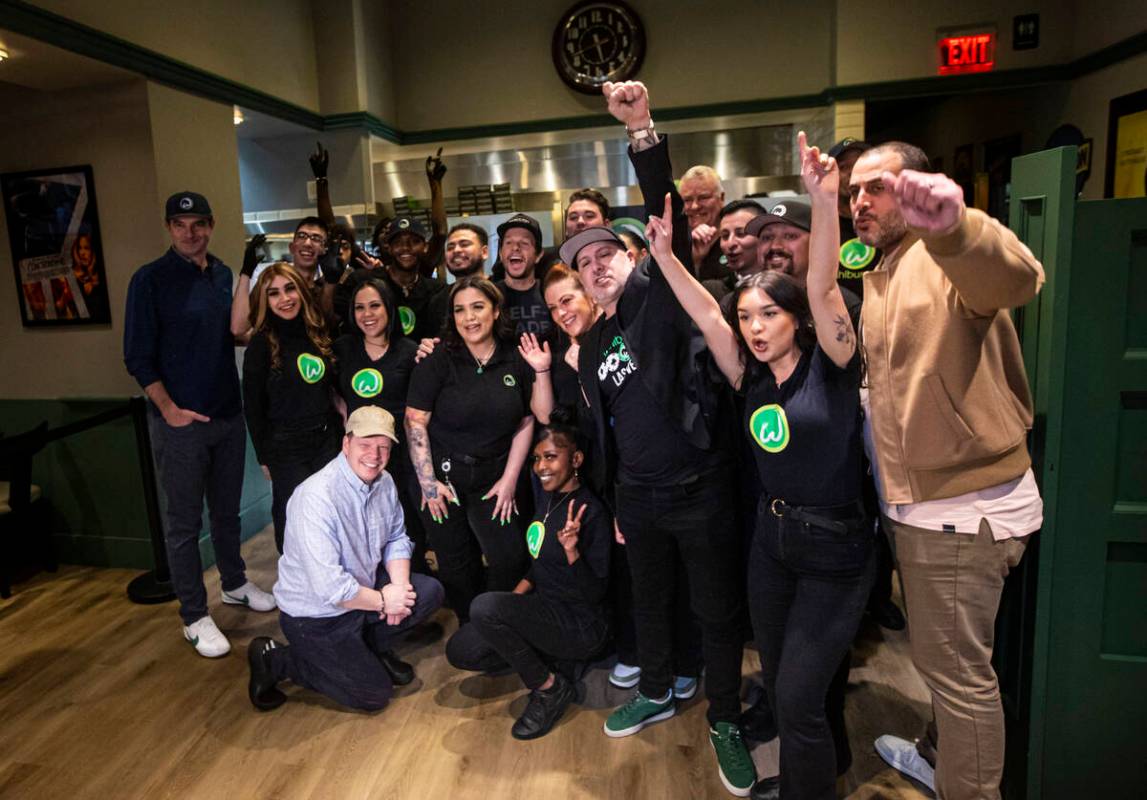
(952, 588)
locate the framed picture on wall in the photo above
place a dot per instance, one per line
(57, 255)
(1126, 173)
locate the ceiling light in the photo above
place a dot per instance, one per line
(238, 116)
(3, 54)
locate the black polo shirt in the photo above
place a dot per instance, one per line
(472, 413)
(383, 382)
(805, 434)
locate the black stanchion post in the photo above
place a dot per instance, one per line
(154, 586)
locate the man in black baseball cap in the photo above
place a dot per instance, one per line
(188, 204)
(784, 232)
(856, 257)
(519, 247)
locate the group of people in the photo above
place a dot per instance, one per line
(596, 444)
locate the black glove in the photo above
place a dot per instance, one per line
(329, 264)
(435, 169)
(251, 254)
(319, 161)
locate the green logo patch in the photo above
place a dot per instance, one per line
(509, 380)
(856, 256)
(312, 368)
(534, 536)
(367, 382)
(770, 428)
(407, 319)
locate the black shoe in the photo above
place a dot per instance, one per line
(757, 722)
(401, 673)
(887, 615)
(544, 709)
(261, 686)
(766, 789)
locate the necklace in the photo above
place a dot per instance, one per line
(536, 533)
(382, 348)
(482, 362)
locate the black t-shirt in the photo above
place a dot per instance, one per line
(856, 258)
(382, 382)
(472, 413)
(528, 312)
(650, 450)
(415, 319)
(583, 583)
(806, 433)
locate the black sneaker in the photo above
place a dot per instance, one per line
(544, 709)
(757, 722)
(401, 673)
(766, 789)
(261, 685)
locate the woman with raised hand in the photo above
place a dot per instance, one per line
(287, 384)
(469, 429)
(795, 358)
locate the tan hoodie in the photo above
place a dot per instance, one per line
(949, 400)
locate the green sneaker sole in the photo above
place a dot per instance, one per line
(632, 729)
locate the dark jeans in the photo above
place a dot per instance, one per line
(527, 631)
(460, 541)
(687, 653)
(292, 457)
(197, 461)
(696, 524)
(807, 590)
(338, 656)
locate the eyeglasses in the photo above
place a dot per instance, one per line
(317, 238)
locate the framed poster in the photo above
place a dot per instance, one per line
(57, 255)
(1126, 174)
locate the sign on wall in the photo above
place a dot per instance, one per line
(970, 52)
(54, 234)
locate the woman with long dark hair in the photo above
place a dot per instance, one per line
(287, 382)
(795, 357)
(469, 430)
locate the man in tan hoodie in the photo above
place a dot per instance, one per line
(947, 414)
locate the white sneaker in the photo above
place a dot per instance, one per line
(903, 756)
(208, 640)
(251, 596)
(624, 676)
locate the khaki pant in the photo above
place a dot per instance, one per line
(952, 588)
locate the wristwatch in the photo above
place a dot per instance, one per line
(641, 133)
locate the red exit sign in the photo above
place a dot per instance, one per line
(972, 53)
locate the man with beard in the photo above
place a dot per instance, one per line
(467, 248)
(704, 198)
(520, 245)
(740, 247)
(855, 256)
(947, 413)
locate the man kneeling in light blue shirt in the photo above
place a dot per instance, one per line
(345, 587)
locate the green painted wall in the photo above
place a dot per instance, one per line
(92, 484)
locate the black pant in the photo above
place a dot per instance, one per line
(197, 461)
(338, 656)
(696, 524)
(807, 591)
(687, 653)
(461, 540)
(530, 632)
(293, 456)
(410, 498)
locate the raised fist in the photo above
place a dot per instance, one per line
(628, 103)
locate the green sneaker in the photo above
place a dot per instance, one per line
(736, 767)
(637, 713)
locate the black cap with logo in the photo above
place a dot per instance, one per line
(522, 221)
(848, 144)
(405, 225)
(794, 210)
(187, 204)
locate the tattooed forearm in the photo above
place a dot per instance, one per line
(844, 332)
(419, 443)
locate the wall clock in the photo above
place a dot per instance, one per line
(598, 41)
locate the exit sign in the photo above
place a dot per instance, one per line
(974, 52)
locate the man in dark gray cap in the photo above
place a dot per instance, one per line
(519, 248)
(178, 346)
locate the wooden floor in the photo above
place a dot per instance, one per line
(101, 698)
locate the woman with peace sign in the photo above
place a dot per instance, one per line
(556, 614)
(795, 358)
(287, 380)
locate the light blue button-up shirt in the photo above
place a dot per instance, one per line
(338, 531)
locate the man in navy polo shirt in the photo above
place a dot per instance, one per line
(178, 346)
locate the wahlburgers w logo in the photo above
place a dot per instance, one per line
(855, 255)
(406, 318)
(367, 382)
(311, 367)
(534, 536)
(770, 428)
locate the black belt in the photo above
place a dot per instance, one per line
(832, 518)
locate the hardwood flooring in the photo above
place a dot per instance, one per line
(100, 698)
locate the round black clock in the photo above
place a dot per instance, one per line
(596, 42)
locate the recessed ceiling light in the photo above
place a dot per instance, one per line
(238, 116)
(3, 54)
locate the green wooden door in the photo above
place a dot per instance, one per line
(1095, 696)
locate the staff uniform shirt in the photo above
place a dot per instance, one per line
(177, 329)
(528, 311)
(298, 391)
(472, 413)
(382, 382)
(806, 432)
(582, 585)
(650, 451)
(338, 531)
(416, 321)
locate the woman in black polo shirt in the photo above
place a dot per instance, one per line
(469, 427)
(374, 363)
(287, 381)
(812, 559)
